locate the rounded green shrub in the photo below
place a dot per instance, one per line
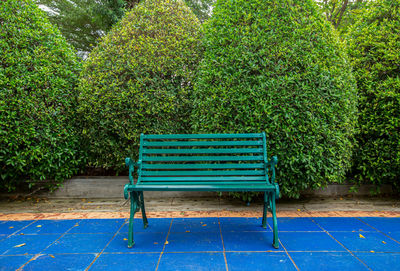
(279, 67)
(138, 79)
(38, 73)
(374, 48)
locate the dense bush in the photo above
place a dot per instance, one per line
(374, 48)
(137, 80)
(38, 72)
(277, 66)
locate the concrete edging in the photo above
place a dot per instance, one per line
(112, 187)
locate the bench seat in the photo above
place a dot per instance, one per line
(213, 187)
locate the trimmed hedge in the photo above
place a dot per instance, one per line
(137, 80)
(279, 67)
(374, 48)
(38, 73)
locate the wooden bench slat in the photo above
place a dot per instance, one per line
(196, 151)
(193, 179)
(202, 143)
(204, 172)
(201, 136)
(201, 158)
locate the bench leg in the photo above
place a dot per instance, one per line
(274, 219)
(134, 209)
(265, 209)
(144, 217)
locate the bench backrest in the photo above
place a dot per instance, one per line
(203, 158)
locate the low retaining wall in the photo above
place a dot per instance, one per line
(112, 187)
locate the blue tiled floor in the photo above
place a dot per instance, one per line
(342, 224)
(60, 262)
(192, 261)
(368, 243)
(241, 224)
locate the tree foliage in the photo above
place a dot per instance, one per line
(201, 8)
(374, 47)
(38, 73)
(342, 13)
(137, 80)
(278, 66)
(83, 22)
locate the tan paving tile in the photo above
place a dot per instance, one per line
(100, 215)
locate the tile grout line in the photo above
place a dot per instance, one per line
(284, 248)
(15, 233)
(165, 243)
(40, 253)
(348, 250)
(98, 254)
(378, 230)
(206, 251)
(223, 245)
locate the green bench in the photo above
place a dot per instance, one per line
(202, 162)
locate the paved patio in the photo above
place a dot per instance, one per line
(203, 243)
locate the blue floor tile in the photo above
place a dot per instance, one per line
(385, 224)
(155, 225)
(329, 261)
(195, 225)
(295, 224)
(374, 241)
(98, 226)
(309, 241)
(342, 224)
(239, 224)
(381, 261)
(31, 244)
(192, 261)
(80, 243)
(395, 235)
(10, 227)
(49, 226)
(259, 261)
(194, 241)
(128, 262)
(248, 241)
(60, 262)
(144, 242)
(13, 262)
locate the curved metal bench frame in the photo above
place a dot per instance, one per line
(202, 162)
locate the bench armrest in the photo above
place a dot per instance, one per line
(126, 191)
(131, 164)
(271, 165)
